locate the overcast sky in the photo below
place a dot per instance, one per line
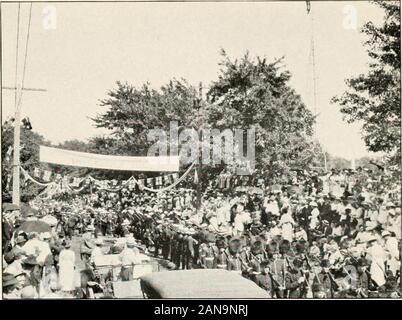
(94, 45)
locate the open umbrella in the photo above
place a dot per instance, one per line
(25, 209)
(35, 226)
(9, 207)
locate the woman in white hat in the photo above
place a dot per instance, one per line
(314, 215)
(391, 246)
(67, 268)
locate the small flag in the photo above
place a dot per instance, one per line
(37, 172)
(158, 181)
(46, 175)
(195, 176)
(167, 179)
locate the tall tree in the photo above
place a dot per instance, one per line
(253, 92)
(132, 112)
(374, 98)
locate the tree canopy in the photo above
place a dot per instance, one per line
(374, 98)
(254, 92)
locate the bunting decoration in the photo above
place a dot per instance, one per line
(57, 183)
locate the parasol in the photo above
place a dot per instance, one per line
(35, 226)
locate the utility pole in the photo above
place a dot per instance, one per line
(199, 165)
(18, 90)
(17, 134)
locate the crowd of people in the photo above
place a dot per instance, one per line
(336, 235)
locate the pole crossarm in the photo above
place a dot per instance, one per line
(25, 89)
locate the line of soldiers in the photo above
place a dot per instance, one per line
(283, 269)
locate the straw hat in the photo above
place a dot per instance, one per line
(131, 242)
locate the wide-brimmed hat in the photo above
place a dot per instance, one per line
(385, 233)
(9, 280)
(31, 261)
(9, 257)
(19, 239)
(371, 225)
(90, 228)
(28, 292)
(67, 244)
(362, 262)
(46, 235)
(131, 242)
(29, 214)
(390, 205)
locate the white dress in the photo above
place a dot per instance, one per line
(377, 267)
(287, 223)
(66, 270)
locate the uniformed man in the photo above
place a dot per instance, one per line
(254, 257)
(221, 259)
(166, 242)
(129, 258)
(295, 280)
(324, 285)
(235, 262)
(207, 253)
(263, 279)
(190, 244)
(277, 271)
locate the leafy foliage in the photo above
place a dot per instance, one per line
(374, 98)
(29, 155)
(256, 93)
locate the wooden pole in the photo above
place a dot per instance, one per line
(16, 159)
(17, 133)
(199, 165)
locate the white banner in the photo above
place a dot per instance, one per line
(98, 161)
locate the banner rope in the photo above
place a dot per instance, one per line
(28, 176)
(168, 187)
(123, 184)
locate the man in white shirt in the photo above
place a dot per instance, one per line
(97, 251)
(129, 257)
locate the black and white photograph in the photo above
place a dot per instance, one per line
(201, 150)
